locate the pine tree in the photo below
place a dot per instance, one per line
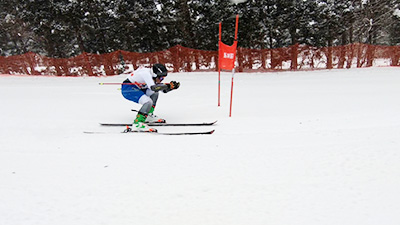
(331, 22)
(16, 36)
(394, 25)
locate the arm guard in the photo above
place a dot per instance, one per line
(165, 87)
(160, 87)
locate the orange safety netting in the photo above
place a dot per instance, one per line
(179, 59)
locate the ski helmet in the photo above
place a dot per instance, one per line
(159, 70)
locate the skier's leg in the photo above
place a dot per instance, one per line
(133, 93)
(153, 97)
(152, 118)
(147, 104)
(141, 116)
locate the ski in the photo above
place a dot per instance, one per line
(160, 124)
(176, 133)
(155, 133)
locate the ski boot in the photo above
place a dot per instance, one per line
(152, 118)
(139, 124)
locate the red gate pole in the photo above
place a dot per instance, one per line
(230, 108)
(219, 66)
(233, 70)
(236, 26)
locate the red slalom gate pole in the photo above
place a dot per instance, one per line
(219, 66)
(233, 70)
(117, 84)
(230, 108)
(236, 26)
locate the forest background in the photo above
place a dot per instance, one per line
(66, 28)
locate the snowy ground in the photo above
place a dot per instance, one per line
(305, 148)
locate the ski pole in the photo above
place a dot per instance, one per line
(116, 83)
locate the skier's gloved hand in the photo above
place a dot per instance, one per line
(174, 85)
(171, 86)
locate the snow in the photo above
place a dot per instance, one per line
(237, 1)
(315, 147)
(396, 12)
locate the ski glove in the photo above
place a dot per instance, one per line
(171, 86)
(174, 85)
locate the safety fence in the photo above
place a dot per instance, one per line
(182, 59)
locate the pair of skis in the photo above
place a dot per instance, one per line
(129, 130)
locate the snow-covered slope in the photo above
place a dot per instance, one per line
(308, 148)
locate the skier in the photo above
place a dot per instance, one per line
(142, 86)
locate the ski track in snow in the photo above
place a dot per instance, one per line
(316, 147)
